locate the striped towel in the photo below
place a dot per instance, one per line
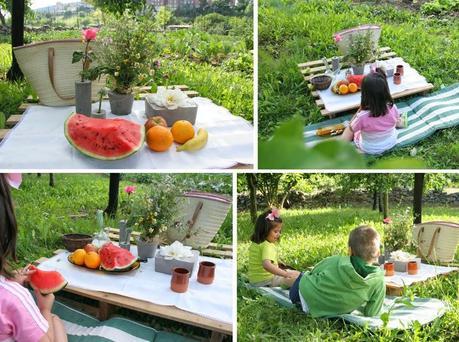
(424, 310)
(426, 114)
(82, 327)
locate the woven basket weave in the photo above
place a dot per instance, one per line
(49, 69)
(436, 241)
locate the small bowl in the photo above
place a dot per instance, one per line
(321, 82)
(75, 241)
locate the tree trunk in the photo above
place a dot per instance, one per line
(2, 20)
(385, 204)
(380, 202)
(51, 180)
(252, 184)
(113, 195)
(375, 199)
(417, 197)
(17, 37)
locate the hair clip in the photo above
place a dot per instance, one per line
(274, 214)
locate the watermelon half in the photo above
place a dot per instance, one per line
(115, 259)
(106, 139)
(46, 281)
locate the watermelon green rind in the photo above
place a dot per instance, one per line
(100, 156)
(40, 281)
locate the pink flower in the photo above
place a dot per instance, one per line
(89, 34)
(14, 179)
(129, 189)
(274, 214)
(337, 38)
(387, 220)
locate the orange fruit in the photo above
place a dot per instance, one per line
(343, 89)
(159, 138)
(78, 256)
(90, 248)
(353, 87)
(182, 131)
(92, 260)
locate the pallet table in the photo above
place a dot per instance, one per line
(313, 68)
(109, 302)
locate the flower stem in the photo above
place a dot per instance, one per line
(85, 59)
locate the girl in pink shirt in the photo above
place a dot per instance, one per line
(20, 318)
(373, 126)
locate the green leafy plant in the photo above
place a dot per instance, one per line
(397, 233)
(361, 49)
(405, 300)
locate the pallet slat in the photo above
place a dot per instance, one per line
(13, 120)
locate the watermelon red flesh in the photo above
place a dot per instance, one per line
(114, 258)
(106, 139)
(46, 281)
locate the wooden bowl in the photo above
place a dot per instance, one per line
(321, 82)
(75, 241)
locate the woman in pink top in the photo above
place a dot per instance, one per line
(20, 318)
(373, 126)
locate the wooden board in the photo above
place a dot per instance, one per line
(168, 312)
(312, 68)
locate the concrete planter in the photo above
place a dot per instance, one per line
(146, 249)
(120, 104)
(166, 266)
(171, 115)
(358, 69)
(83, 97)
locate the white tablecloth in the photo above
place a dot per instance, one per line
(211, 301)
(38, 142)
(336, 103)
(425, 272)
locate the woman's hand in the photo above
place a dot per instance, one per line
(22, 275)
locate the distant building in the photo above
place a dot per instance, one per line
(174, 4)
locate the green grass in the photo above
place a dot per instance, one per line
(293, 31)
(310, 235)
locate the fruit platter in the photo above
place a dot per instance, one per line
(109, 258)
(347, 86)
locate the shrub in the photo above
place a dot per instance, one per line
(213, 23)
(12, 94)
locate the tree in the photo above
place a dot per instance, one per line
(118, 7)
(252, 185)
(113, 195)
(417, 197)
(163, 17)
(17, 36)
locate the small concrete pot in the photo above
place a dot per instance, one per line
(146, 249)
(95, 114)
(83, 97)
(358, 69)
(120, 104)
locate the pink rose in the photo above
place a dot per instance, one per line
(14, 179)
(337, 38)
(387, 220)
(129, 189)
(90, 34)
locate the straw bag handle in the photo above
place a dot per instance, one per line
(51, 75)
(191, 222)
(435, 235)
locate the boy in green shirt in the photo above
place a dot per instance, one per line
(341, 284)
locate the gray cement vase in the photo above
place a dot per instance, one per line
(358, 69)
(83, 97)
(146, 249)
(120, 104)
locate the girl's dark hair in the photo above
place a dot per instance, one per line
(8, 228)
(263, 227)
(375, 93)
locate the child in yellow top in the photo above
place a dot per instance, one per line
(263, 255)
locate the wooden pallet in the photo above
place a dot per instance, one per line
(313, 68)
(213, 250)
(109, 302)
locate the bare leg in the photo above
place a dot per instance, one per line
(347, 135)
(59, 330)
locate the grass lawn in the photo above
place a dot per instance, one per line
(43, 215)
(308, 236)
(296, 31)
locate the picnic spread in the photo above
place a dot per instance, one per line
(425, 272)
(211, 301)
(425, 115)
(38, 142)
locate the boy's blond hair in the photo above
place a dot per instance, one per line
(364, 243)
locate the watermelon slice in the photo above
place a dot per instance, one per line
(46, 281)
(114, 258)
(106, 139)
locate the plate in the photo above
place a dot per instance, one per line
(134, 266)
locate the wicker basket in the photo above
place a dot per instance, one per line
(343, 44)
(202, 214)
(321, 82)
(75, 241)
(437, 241)
(49, 69)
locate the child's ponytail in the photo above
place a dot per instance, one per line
(264, 223)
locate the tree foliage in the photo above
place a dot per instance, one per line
(118, 7)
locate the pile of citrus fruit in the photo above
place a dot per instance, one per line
(344, 87)
(160, 138)
(86, 256)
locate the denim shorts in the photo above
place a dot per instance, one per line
(294, 293)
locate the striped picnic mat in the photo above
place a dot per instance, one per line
(82, 327)
(426, 114)
(424, 310)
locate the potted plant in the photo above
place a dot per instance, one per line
(397, 233)
(126, 57)
(361, 49)
(83, 87)
(99, 112)
(151, 214)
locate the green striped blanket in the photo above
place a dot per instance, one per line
(82, 327)
(423, 310)
(426, 114)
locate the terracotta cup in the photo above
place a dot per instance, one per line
(399, 69)
(389, 267)
(397, 78)
(180, 279)
(412, 267)
(206, 272)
